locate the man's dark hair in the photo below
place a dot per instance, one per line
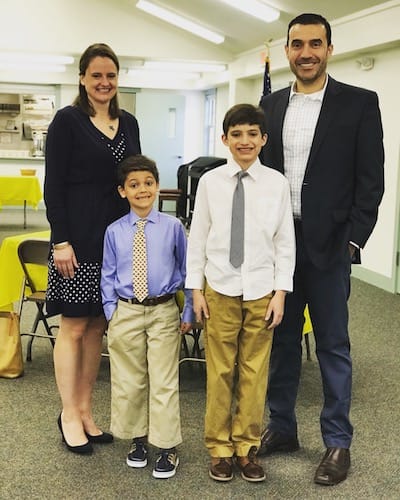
(136, 163)
(82, 101)
(242, 114)
(311, 19)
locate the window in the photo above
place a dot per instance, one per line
(209, 122)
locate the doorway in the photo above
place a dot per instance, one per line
(161, 123)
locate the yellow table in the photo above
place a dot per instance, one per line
(20, 190)
(11, 274)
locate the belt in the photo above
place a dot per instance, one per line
(149, 301)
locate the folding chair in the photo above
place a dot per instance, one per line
(188, 176)
(196, 169)
(169, 195)
(33, 255)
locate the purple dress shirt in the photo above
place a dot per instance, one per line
(166, 260)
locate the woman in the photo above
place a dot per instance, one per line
(85, 142)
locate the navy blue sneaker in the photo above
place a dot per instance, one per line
(166, 464)
(137, 456)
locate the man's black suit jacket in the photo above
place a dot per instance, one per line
(343, 182)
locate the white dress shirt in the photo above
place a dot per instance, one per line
(269, 246)
(298, 133)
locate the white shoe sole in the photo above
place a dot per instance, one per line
(136, 464)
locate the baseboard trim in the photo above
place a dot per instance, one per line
(376, 279)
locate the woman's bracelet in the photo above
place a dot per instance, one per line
(60, 246)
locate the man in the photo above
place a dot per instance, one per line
(326, 137)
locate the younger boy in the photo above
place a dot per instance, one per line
(144, 323)
(239, 284)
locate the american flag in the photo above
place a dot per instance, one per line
(267, 78)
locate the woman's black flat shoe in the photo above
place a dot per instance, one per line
(81, 449)
(103, 438)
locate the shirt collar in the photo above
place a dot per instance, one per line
(133, 217)
(234, 168)
(315, 96)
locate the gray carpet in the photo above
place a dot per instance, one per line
(34, 464)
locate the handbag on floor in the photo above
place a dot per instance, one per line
(11, 362)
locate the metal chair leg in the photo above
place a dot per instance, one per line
(185, 346)
(34, 328)
(40, 316)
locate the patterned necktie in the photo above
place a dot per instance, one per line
(140, 262)
(236, 255)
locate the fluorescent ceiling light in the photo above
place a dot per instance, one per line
(255, 8)
(169, 75)
(22, 58)
(185, 66)
(42, 68)
(181, 22)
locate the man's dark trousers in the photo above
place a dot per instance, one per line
(326, 292)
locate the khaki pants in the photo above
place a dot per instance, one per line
(235, 333)
(144, 344)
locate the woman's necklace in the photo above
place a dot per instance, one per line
(113, 126)
(105, 124)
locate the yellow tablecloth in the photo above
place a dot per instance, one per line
(11, 273)
(18, 190)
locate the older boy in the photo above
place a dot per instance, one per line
(143, 333)
(239, 283)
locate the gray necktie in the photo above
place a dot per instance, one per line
(236, 255)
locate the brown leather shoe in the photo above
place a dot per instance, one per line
(221, 468)
(272, 441)
(334, 467)
(250, 469)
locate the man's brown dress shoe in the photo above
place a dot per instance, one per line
(221, 468)
(250, 469)
(334, 467)
(272, 441)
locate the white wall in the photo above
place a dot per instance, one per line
(383, 78)
(193, 144)
(150, 106)
(68, 93)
